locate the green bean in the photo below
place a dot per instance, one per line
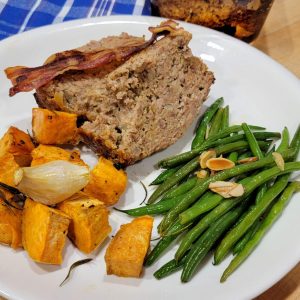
(233, 156)
(225, 118)
(282, 147)
(177, 177)
(216, 123)
(170, 267)
(163, 244)
(239, 145)
(226, 205)
(207, 202)
(295, 143)
(179, 230)
(285, 139)
(191, 196)
(208, 115)
(241, 243)
(261, 192)
(209, 143)
(256, 151)
(244, 155)
(253, 144)
(152, 209)
(192, 235)
(193, 165)
(270, 219)
(164, 175)
(182, 188)
(200, 249)
(232, 129)
(237, 232)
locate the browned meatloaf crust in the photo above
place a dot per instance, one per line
(139, 107)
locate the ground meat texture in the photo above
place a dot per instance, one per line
(139, 107)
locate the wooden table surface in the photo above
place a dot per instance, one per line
(280, 36)
(280, 39)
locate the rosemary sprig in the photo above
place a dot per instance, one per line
(7, 203)
(146, 192)
(73, 266)
(18, 196)
(34, 142)
(10, 188)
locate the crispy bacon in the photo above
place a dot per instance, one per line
(25, 79)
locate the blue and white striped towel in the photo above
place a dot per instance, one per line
(20, 15)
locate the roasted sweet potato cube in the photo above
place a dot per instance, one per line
(44, 231)
(126, 252)
(8, 166)
(17, 143)
(106, 182)
(43, 154)
(10, 224)
(89, 221)
(54, 127)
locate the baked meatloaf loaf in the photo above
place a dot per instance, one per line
(132, 106)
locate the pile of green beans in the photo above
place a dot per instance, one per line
(199, 219)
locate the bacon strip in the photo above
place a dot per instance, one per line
(25, 79)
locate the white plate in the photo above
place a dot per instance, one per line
(258, 91)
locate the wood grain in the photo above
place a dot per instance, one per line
(280, 39)
(287, 288)
(280, 36)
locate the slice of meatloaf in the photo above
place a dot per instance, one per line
(139, 107)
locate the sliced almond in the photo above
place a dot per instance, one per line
(248, 160)
(219, 163)
(205, 156)
(227, 189)
(237, 191)
(202, 174)
(278, 160)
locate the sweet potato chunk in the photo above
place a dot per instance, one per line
(89, 221)
(44, 231)
(10, 225)
(106, 182)
(17, 143)
(8, 166)
(54, 127)
(43, 154)
(126, 252)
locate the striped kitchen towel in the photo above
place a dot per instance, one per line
(20, 15)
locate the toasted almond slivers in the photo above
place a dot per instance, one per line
(205, 156)
(227, 189)
(247, 160)
(219, 163)
(202, 174)
(278, 160)
(237, 191)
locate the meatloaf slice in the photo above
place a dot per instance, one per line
(139, 107)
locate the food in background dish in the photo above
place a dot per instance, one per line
(240, 18)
